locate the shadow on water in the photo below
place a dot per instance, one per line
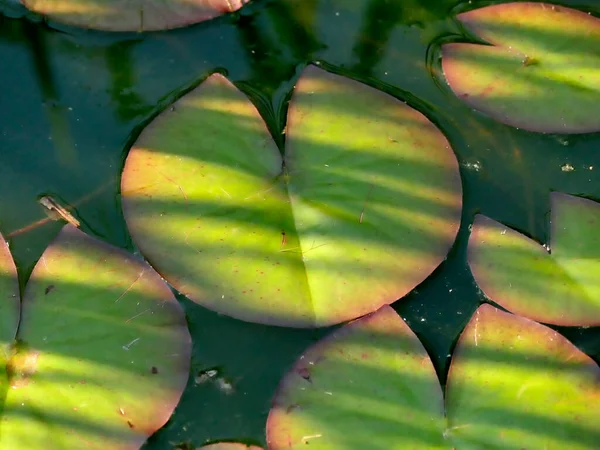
(98, 89)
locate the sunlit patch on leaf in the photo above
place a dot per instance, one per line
(513, 383)
(102, 353)
(542, 72)
(132, 15)
(557, 284)
(363, 206)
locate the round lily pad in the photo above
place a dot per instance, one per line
(369, 385)
(102, 354)
(363, 206)
(516, 384)
(132, 15)
(513, 384)
(541, 73)
(558, 283)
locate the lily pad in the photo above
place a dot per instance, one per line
(558, 283)
(102, 353)
(369, 385)
(132, 15)
(541, 73)
(361, 209)
(516, 384)
(513, 384)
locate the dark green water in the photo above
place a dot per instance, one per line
(73, 101)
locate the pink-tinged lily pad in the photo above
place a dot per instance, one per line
(369, 385)
(102, 355)
(228, 446)
(361, 209)
(132, 15)
(516, 384)
(542, 72)
(558, 283)
(513, 384)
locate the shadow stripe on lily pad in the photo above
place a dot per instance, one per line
(558, 283)
(362, 207)
(102, 354)
(541, 73)
(513, 384)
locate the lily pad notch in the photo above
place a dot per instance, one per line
(362, 207)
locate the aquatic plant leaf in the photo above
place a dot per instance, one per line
(542, 72)
(559, 284)
(369, 384)
(513, 384)
(9, 309)
(361, 209)
(516, 384)
(228, 446)
(132, 15)
(102, 355)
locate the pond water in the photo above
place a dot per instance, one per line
(75, 100)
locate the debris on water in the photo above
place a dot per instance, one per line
(56, 211)
(474, 166)
(205, 375)
(567, 167)
(224, 386)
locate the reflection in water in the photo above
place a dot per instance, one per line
(60, 133)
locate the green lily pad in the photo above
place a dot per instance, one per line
(102, 353)
(558, 283)
(369, 384)
(132, 15)
(362, 208)
(542, 72)
(516, 384)
(513, 384)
